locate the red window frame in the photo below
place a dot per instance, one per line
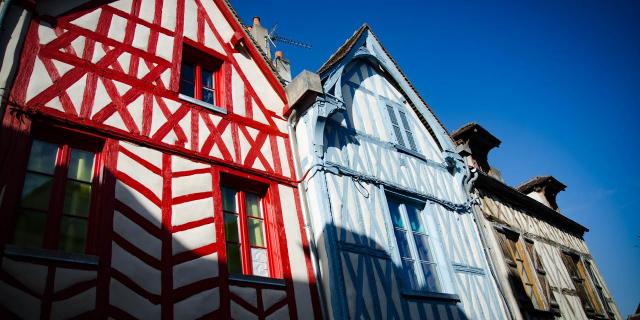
(260, 188)
(200, 62)
(66, 140)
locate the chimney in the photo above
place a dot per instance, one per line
(544, 189)
(474, 143)
(282, 66)
(259, 34)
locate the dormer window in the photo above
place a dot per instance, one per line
(200, 78)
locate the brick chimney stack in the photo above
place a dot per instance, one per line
(259, 34)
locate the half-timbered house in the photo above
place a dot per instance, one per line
(145, 168)
(384, 194)
(542, 260)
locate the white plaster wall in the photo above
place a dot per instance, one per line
(296, 254)
(523, 221)
(362, 92)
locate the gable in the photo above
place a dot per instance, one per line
(365, 45)
(117, 66)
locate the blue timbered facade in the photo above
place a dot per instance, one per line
(385, 195)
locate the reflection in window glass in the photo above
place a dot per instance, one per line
(42, 157)
(245, 232)
(234, 259)
(231, 228)
(80, 165)
(73, 232)
(229, 200)
(187, 80)
(56, 173)
(30, 228)
(36, 191)
(253, 205)
(256, 237)
(413, 246)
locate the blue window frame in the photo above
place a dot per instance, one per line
(418, 263)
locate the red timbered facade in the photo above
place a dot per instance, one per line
(147, 171)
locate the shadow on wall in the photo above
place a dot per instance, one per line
(368, 283)
(143, 268)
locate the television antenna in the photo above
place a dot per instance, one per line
(273, 37)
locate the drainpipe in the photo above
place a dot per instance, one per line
(305, 212)
(472, 177)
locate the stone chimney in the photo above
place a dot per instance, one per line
(544, 189)
(474, 143)
(259, 34)
(282, 66)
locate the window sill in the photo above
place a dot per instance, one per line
(418, 295)
(242, 278)
(410, 152)
(202, 103)
(50, 255)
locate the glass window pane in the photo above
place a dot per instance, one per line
(81, 165)
(422, 244)
(229, 200)
(396, 218)
(259, 262)
(73, 234)
(77, 198)
(187, 72)
(187, 79)
(403, 244)
(207, 78)
(42, 157)
(36, 191)
(430, 277)
(29, 230)
(253, 205)
(256, 233)
(414, 219)
(409, 275)
(231, 227)
(187, 88)
(234, 260)
(208, 96)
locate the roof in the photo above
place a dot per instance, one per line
(343, 50)
(532, 206)
(265, 59)
(541, 181)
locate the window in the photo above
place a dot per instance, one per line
(58, 196)
(526, 272)
(584, 290)
(413, 245)
(245, 226)
(599, 288)
(541, 275)
(199, 76)
(401, 129)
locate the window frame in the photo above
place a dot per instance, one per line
(65, 139)
(207, 60)
(540, 298)
(417, 274)
(262, 188)
(403, 124)
(583, 277)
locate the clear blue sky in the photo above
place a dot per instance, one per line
(557, 81)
